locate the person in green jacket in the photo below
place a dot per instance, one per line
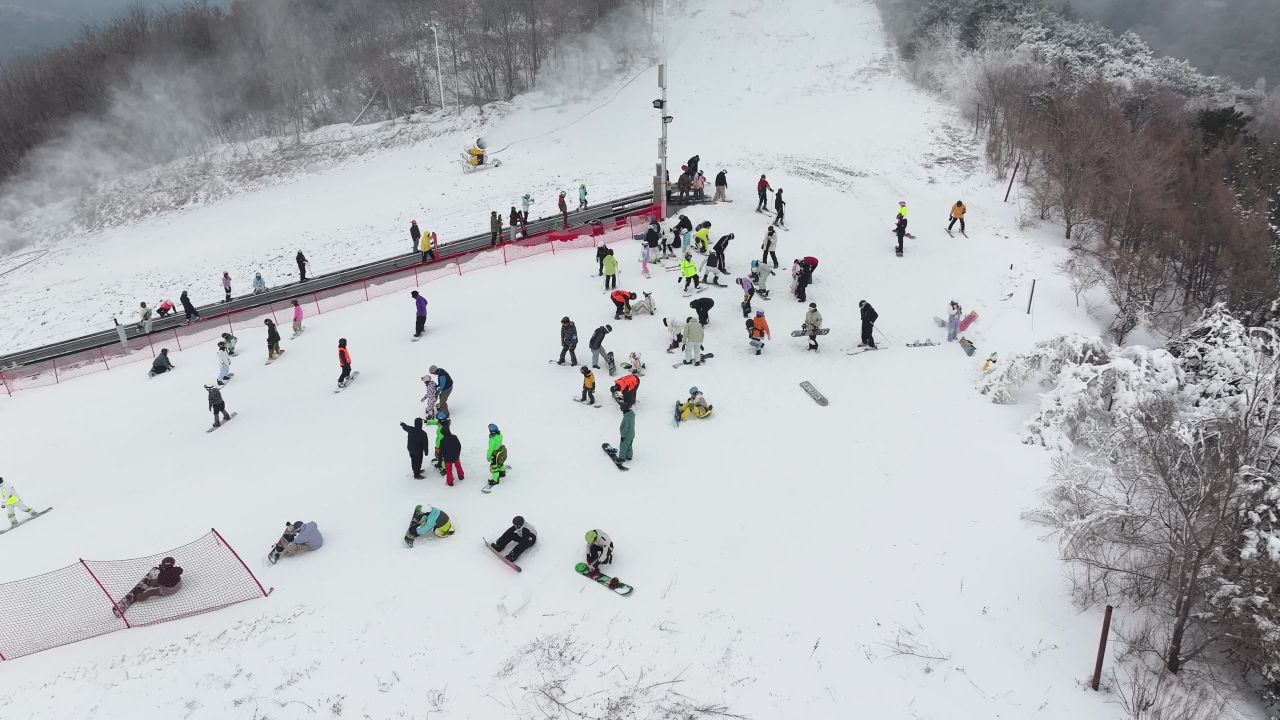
(610, 264)
(441, 421)
(628, 432)
(689, 271)
(496, 455)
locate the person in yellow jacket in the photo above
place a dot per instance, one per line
(428, 244)
(689, 271)
(702, 238)
(588, 386)
(902, 208)
(12, 502)
(957, 213)
(695, 406)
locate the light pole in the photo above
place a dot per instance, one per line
(660, 180)
(439, 78)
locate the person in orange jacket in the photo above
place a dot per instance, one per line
(622, 303)
(344, 359)
(624, 390)
(957, 213)
(758, 330)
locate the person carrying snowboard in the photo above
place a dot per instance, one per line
(298, 537)
(163, 580)
(231, 341)
(622, 303)
(770, 246)
(187, 308)
(12, 503)
(521, 533)
(588, 386)
(430, 397)
(693, 334)
(451, 455)
(419, 313)
(217, 405)
(953, 321)
(161, 364)
(758, 330)
(596, 345)
(297, 319)
(496, 454)
(812, 324)
(722, 186)
(762, 187)
(748, 292)
(224, 363)
(702, 306)
(344, 361)
(689, 271)
(957, 213)
(869, 317)
(675, 329)
(779, 207)
(599, 552)
(695, 406)
(624, 390)
(444, 384)
(428, 520)
(568, 341)
(417, 446)
(427, 245)
(273, 340)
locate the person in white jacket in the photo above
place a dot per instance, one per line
(12, 503)
(675, 328)
(224, 363)
(770, 246)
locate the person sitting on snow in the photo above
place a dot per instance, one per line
(298, 537)
(163, 579)
(428, 520)
(599, 551)
(695, 406)
(521, 533)
(645, 305)
(161, 364)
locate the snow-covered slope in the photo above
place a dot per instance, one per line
(791, 561)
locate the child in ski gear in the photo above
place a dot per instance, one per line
(496, 454)
(626, 434)
(188, 308)
(624, 390)
(582, 196)
(599, 551)
(427, 245)
(689, 271)
(634, 363)
(451, 454)
(602, 252)
(622, 303)
(957, 213)
(770, 246)
(298, 537)
(675, 328)
(259, 285)
(217, 405)
(417, 446)
(12, 503)
(430, 396)
(344, 361)
(695, 406)
(226, 285)
(702, 306)
(758, 330)
(762, 186)
(162, 580)
(902, 208)
(568, 341)
(869, 317)
(900, 229)
(692, 342)
(428, 520)
(812, 324)
(521, 533)
(645, 305)
(419, 313)
(161, 364)
(646, 254)
(722, 186)
(596, 344)
(953, 321)
(444, 383)
(297, 318)
(588, 386)
(699, 182)
(610, 265)
(230, 340)
(144, 323)
(748, 292)
(273, 339)
(224, 363)
(779, 207)
(441, 421)
(303, 263)
(710, 268)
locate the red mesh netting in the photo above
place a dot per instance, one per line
(135, 350)
(405, 280)
(339, 297)
(488, 258)
(81, 363)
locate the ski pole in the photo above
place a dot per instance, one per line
(887, 341)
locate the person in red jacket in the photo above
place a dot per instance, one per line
(624, 391)
(622, 303)
(762, 186)
(564, 210)
(344, 359)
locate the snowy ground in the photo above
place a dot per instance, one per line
(791, 561)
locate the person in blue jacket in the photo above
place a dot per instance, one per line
(444, 383)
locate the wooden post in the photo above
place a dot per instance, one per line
(1013, 177)
(1032, 296)
(1102, 649)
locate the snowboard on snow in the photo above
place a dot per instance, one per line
(345, 385)
(968, 320)
(967, 346)
(580, 401)
(922, 343)
(226, 379)
(612, 452)
(224, 422)
(813, 393)
(26, 520)
(705, 357)
(277, 357)
(802, 333)
(501, 556)
(620, 587)
(939, 322)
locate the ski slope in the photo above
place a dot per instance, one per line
(864, 559)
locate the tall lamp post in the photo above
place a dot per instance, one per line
(660, 180)
(439, 78)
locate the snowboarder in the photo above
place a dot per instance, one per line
(812, 324)
(259, 285)
(902, 208)
(161, 364)
(273, 339)
(163, 579)
(427, 245)
(564, 210)
(721, 246)
(693, 334)
(420, 313)
(297, 318)
(495, 227)
(441, 421)
(303, 263)
(444, 383)
(344, 360)
(596, 345)
(699, 184)
(226, 286)
(224, 363)
(599, 551)
(12, 503)
(803, 272)
(722, 186)
(758, 331)
(230, 340)
(748, 292)
(188, 308)
(568, 341)
(166, 307)
(588, 386)
(695, 406)
(689, 271)
(626, 434)
(711, 269)
(646, 254)
(762, 187)
(675, 328)
(582, 196)
(298, 537)
(521, 533)
(760, 272)
(957, 213)
(622, 303)
(702, 306)
(953, 321)
(430, 397)
(417, 446)
(428, 520)
(602, 252)
(144, 323)
(451, 454)
(217, 405)
(869, 317)
(496, 454)
(702, 237)
(779, 207)
(610, 267)
(624, 390)
(645, 305)
(770, 246)
(900, 229)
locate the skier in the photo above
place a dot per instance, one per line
(430, 397)
(869, 317)
(525, 203)
(144, 323)
(779, 207)
(762, 186)
(259, 285)
(303, 263)
(610, 267)
(427, 245)
(702, 306)
(804, 276)
(900, 229)
(297, 319)
(162, 580)
(217, 405)
(596, 344)
(230, 340)
(420, 313)
(693, 334)
(166, 307)
(624, 390)
(298, 537)
(564, 210)
(12, 503)
(417, 446)
(451, 454)
(695, 406)
(957, 213)
(444, 384)
(953, 321)
(599, 551)
(161, 364)
(812, 324)
(427, 519)
(442, 423)
(770, 246)
(188, 308)
(722, 186)
(224, 363)
(273, 340)
(626, 435)
(758, 330)
(699, 183)
(748, 292)
(582, 196)
(226, 286)
(521, 533)
(344, 360)
(645, 305)
(568, 341)
(622, 303)
(760, 272)
(601, 253)
(675, 328)
(689, 271)
(588, 386)
(495, 227)
(496, 454)
(646, 254)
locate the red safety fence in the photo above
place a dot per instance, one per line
(601, 232)
(80, 601)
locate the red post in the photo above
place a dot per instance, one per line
(504, 254)
(1102, 648)
(150, 345)
(6, 385)
(177, 339)
(54, 362)
(553, 246)
(316, 300)
(366, 290)
(227, 545)
(104, 358)
(104, 591)
(416, 282)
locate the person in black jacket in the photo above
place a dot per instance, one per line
(596, 344)
(302, 267)
(520, 533)
(900, 229)
(803, 279)
(273, 340)
(417, 446)
(869, 317)
(217, 405)
(702, 306)
(568, 341)
(451, 454)
(721, 245)
(693, 167)
(161, 364)
(415, 235)
(162, 579)
(188, 308)
(602, 252)
(779, 207)
(722, 186)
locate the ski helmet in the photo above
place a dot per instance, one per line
(442, 415)
(902, 203)
(591, 536)
(427, 378)
(693, 390)
(564, 319)
(433, 369)
(168, 562)
(493, 428)
(813, 305)
(608, 328)
(759, 313)
(518, 521)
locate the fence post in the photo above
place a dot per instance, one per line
(227, 545)
(416, 281)
(504, 254)
(177, 339)
(1017, 164)
(104, 591)
(104, 358)
(553, 245)
(54, 362)
(316, 300)
(366, 290)
(150, 344)
(6, 385)
(1102, 648)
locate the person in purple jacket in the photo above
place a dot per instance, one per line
(420, 323)
(298, 537)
